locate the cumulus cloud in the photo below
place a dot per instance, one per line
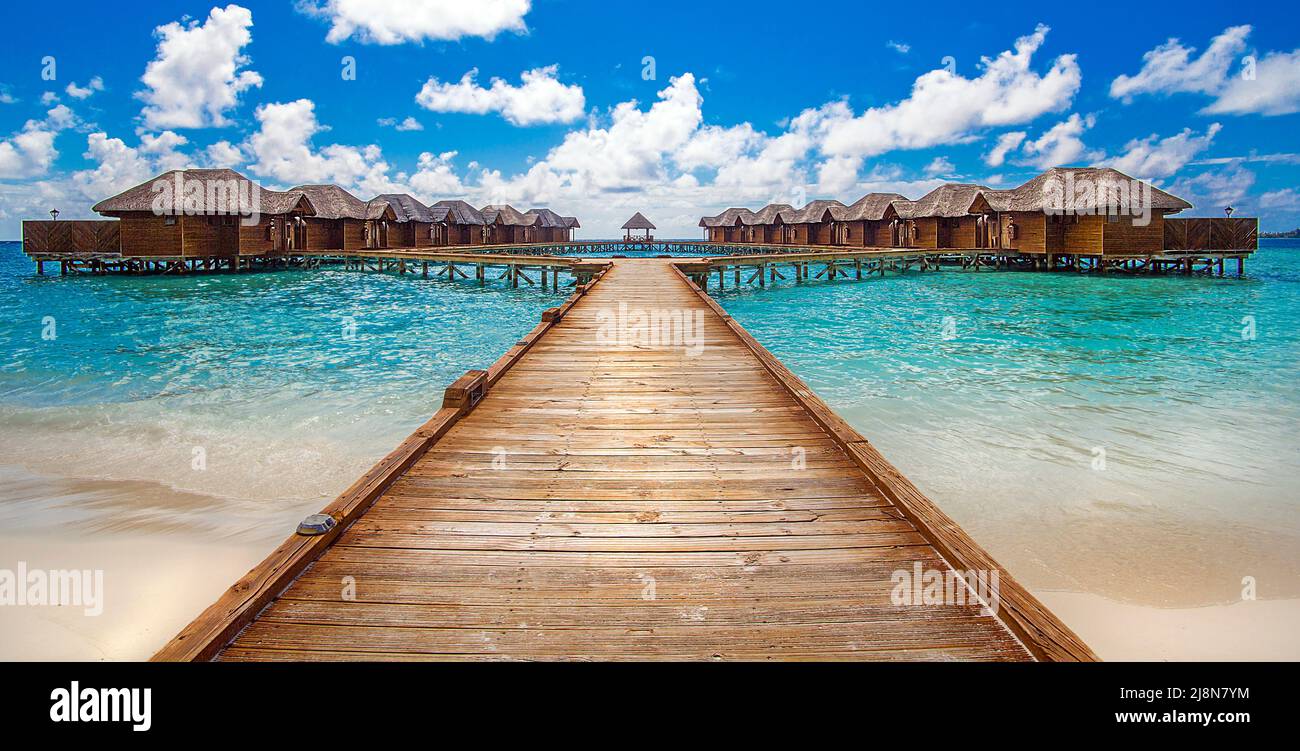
(1006, 143)
(398, 21)
(901, 48)
(1061, 145)
(1170, 68)
(1212, 190)
(409, 124)
(939, 166)
(196, 77)
(79, 92)
(1154, 157)
(30, 151)
(946, 108)
(282, 150)
(1269, 85)
(540, 97)
(1274, 89)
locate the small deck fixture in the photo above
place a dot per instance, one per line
(316, 524)
(638, 223)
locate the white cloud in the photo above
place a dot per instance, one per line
(1170, 67)
(940, 166)
(1061, 145)
(283, 151)
(398, 21)
(899, 47)
(225, 154)
(1212, 190)
(196, 77)
(30, 151)
(436, 177)
(78, 92)
(1006, 143)
(49, 98)
(119, 167)
(1274, 89)
(540, 98)
(409, 124)
(945, 108)
(1286, 199)
(1154, 157)
(1269, 85)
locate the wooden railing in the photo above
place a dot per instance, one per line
(1221, 233)
(73, 236)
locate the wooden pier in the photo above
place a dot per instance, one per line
(599, 495)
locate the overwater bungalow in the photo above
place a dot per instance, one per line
(344, 222)
(548, 226)
(506, 225)
(571, 223)
(465, 224)
(206, 213)
(940, 218)
(817, 223)
(727, 227)
(870, 222)
(767, 226)
(415, 225)
(1087, 211)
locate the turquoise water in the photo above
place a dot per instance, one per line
(266, 391)
(1121, 435)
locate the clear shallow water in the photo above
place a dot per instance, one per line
(254, 395)
(998, 392)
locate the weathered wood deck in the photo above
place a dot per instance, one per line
(610, 501)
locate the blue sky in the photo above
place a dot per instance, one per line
(670, 108)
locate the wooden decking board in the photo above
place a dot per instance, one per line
(649, 507)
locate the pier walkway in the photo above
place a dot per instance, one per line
(601, 494)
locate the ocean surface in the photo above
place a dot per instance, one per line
(1128, 441)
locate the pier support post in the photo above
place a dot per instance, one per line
(40, 268)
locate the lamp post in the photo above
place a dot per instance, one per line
(1228, 210)
(54, 214)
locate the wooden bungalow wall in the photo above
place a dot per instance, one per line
(147, 235)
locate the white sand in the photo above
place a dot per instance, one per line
(1248, 630)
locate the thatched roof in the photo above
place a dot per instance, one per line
(1095, 188)
(507, 215)
(729, 218)
(546, 218)
(459, 212)
(407, 209)
(816, 212)
(768, 214)
(333, 202)
(571, 222)
(638, 221)
(870, 208)
(947, 200)
(141, 197)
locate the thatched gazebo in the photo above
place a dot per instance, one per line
(638, 223)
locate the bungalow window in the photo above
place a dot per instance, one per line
(1112, 217)
(1013, 231)
(169, 220)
